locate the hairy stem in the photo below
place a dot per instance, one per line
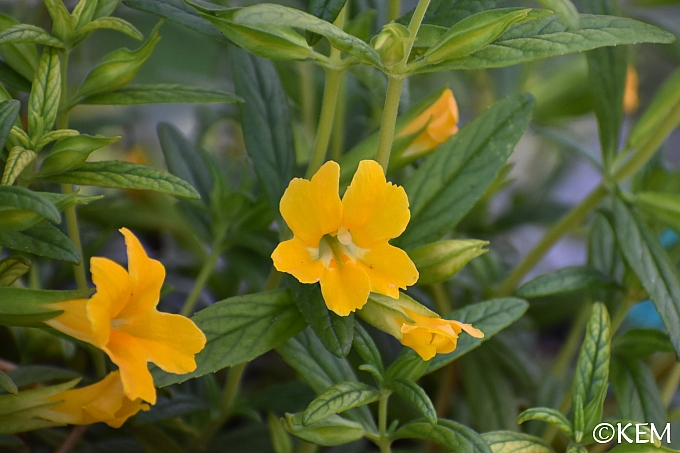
(203, 275)
(383, 439)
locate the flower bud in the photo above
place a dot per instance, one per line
(439, 261)
(392, 43)
(329, 432)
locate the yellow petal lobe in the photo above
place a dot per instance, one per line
(440, 121)
(113, 292)
(74, 321)
(126, 352)
(345, 288)
(295, 258)
(388, 268)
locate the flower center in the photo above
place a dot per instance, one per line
(337, 248)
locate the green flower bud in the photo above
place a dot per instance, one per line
(72, 152)
(329, 432)
(439, 261)
(388, 315)
(392, 44)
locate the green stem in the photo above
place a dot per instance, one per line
(393, 10)
(307, 101)
(338, 132)
(671, 385)
(202, 278)
(441, 299)
(383, 440)
(389, 120)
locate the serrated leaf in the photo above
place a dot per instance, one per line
(513, 442)
(337, 399)
(125, 175)
(7, 384)
(240, 329)
(636, 392)
(19, 207)
(592, 369)
(30, 34)
(22, 58)
(13, 268)
(29, 307)
(43, 103)
(416, 396)
(364, 345)
(160, 94)
(566, 279)
(446, 186)
(111, 23)
(548, 415)
(335, 332)
(651, 264)
(452, 435)
(265, 119)
(641, 343)
(549, 37)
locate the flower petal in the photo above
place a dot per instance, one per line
(313, 208)
(293, 257)
(73, 321)
(126, 352)
(420, 340)
(147, 276)
(388, 268)
(114, 289)
(472, 331)
(345, 287)
(374, 210)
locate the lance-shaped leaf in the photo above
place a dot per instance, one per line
(366, 348)
(21, 208)
(548, 415)
(337, 399)
(651, 264)
(549, 37)
(566, 10)
(447, 13)
(111, 23)
(125, 175)
(30, 307)
(29, 34)
(58, 134)
(160, 94)
(663, 206)
(513, 442)
(62, 25)
(17, 160)
(415, 395)
(83, 12)
(118, 68)
(240, 329)
(636, 392)
(452, 435)
(592, 369)
(641, 343)
(71, 152)
(328, 432)
(327, 10)
(105, 8)
(7, 384)
(453, 178)
(23, 58)
(43, 102)
(12, 268)
(42, 240)
(571, 278)
(265, 119)
(9, 112)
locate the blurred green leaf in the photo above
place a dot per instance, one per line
(327, 10)
(651, 264)
(450, 434)
(13, 79)
(160, 94)
(548, 415)
(364, 345)
(663, 206)
(566, 279)
(447, 13)
(266, 123)
(337, 399)
(43, 102)
(415, 395)
(29, 34)
(636, 392)
(19, 207)
(280, 438)
(9, 112)
(329, 432)
(155, 441)
(592, 369)
(641, 343)
(464, 167)
(105, 8)
(13, 268)
(512, 442)
(7, 384)
(335, 332)
(27, 375)
(111, 23)
(42, 240)
(23, 58)
(125, 175)
(240, 329)
(29, 307)
(566, 10)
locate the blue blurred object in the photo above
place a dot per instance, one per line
(669, 238)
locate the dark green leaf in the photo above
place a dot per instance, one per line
(9, 111)
(240, 329)
(337, 399)
(641, 343)
(13, 79)
(416, 396)
(650, 262)
(512, 442)
(160, 94)
(29, 307)
(12, 268)
(22, 58)
(547, 415)
(446, 13)
(7, 384)
(455, 176)
(327, 10)
(125, 175)
(19, 207)
(663, 206)
(26, 375)
(155, 441)
(335, 332)
(265, 119)
(329, 432)
(572, 278)
(452, 435)
(636, 392)
(42, 240)
(366, 348)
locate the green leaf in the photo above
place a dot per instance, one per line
(62, 25)
(238, 330)
(125, 175)
(329, 432)
(641, 343)
(29, 34)
(83, 12)
(548, 415)
(13, 268)
(512, 442)
(566, 10)
(7, 384)
(416, 396)
(43, 102)
(366, 348)
(337, 399)
(111, 23)
(42, 240)
(651, 264)
(446, 186)
(636, 392)
(51, 136)
(451, 435)
(663, 206)
(280, 439)
(447, 13)
(17, 160)
(23, 58)
(592, 369)
(13, 80)
(490, 317)
(26, 375)
(602, 251)
(265, 119)
(566, 279)
(640, 448)
(118, 68)
(335, 332)
(549, 37)
(327, 10)
(9, 112)
(160, 94)
(30, 307)
(179, 12)
(71, 152)
(19, 206)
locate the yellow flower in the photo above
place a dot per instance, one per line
(440, 121)
(104, 401)
(122, 320)
(631, 102)
(429, 336)
(343, 243)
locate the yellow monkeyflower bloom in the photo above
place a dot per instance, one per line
(440, 121)
(631, 102)
(343, 243)
(103, 401)
(122, 320)
(429, 336)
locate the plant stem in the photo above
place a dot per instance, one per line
(202, 278)
(338, 132)
(383, 440)
(393, 10)
(72, 439)
(441, 299)
(671, 385)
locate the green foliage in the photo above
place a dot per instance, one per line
(564, 280)
(450, 434)
(337, 399)
(160, 94)
(30, 307)
(439, 261)
(512, 442)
